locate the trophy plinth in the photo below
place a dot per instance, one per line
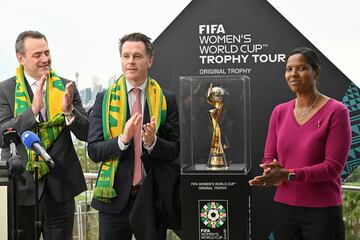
(217, 161)
(217, 158)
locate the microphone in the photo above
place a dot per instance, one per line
(11, 138)
(32, 142)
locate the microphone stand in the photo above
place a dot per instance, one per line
(37, 222)
(15, 167)
(15, 231)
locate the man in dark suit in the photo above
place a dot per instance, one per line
(42, 102)
(156, 125)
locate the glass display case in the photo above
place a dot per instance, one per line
(215, 124)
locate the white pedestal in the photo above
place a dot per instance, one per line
(3, 213)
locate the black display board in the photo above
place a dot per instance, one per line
(215, 206)
(250, 37)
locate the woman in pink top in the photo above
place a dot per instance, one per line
(306, 149)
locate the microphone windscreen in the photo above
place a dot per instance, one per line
(29, 138)
(10, 135)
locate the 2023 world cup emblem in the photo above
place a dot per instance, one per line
(213, 219)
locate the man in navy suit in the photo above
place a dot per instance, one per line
(159, 137)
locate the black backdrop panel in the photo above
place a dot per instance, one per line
(212, 37)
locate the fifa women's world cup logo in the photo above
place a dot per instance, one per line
(215, 97)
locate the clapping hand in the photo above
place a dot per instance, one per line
(38, 99)
(67, 101)
(131, 126)
(148, 132)
(273, 175)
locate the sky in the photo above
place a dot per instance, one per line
(83, 35)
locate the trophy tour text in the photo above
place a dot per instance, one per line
(218, 47)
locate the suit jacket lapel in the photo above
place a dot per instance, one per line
(146, 113)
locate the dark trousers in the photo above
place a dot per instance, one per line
(116, 226)
(302, 223)
(57, 219)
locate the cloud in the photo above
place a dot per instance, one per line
(83, 35)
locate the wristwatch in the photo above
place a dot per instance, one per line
(291, 175)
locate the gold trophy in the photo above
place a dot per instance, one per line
(217, 158)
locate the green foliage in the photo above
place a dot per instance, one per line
(87, 165)
(354, 177)
(171, 236)
(351, 210)
(351, 207)
(89, 229)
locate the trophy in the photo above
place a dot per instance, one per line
(217, 156)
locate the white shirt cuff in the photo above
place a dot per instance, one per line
(122, 145)
(69, 121)
(37, 118)
(150, 148)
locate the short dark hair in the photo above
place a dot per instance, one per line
(310, 55)
(136, 37)
(19, 44)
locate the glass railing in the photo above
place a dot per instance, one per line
(86, 225)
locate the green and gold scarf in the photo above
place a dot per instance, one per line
(48, 131)
(114, 117)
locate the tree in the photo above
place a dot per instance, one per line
(87, 165)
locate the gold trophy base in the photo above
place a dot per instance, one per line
(217, 161)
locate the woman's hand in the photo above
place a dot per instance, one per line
(273, 175)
